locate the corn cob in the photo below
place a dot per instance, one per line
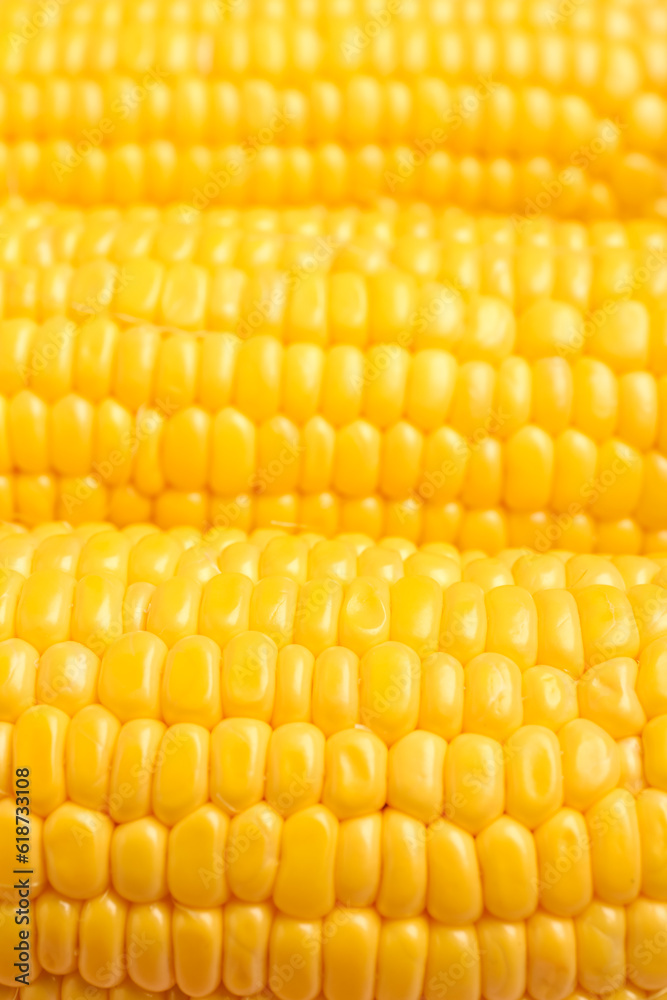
(631, 183)
(607, 52)
(53, 261)
(129, 174)
(318, 107)
(375, 774)
(612, 18)
(273, 764)
(510, 120)
(434, 413)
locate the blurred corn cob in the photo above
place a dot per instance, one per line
(279, 104)
(44, 251)
(372, 773)
(416, 373)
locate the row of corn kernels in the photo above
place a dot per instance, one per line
(583, 265)
(249, 950)
(472, 366)
(427, 609)
(321, 290)
(47, 233)
(345, 332)
(89, 758)
(190, 684)
(454, 870)
(106, 460)
(129, 174)
(608, 71)
(412, 428)
(613, 18)
(36, 499)
(141, 553)
(414, 615)
(490, 119)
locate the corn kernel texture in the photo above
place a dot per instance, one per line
(308, 766)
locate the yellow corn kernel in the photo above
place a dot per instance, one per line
(248, 676)
(591, 764)
(651, 686)
(492, 702)
(139, 860)
(316, 625)
(97, 616)
(18, 675)
(502, 949)
(402, 891)
(356, 774)
(181, 780)
(415, 776)
(13, 583)
(196, 873)
(449, 947)
(295, 767)
(130, 675)
(649, 604)
(295, 944)
(91, 739)
(191, 683)
(153, 559)
(102, 929)
(512, 625)
(350, 942)
(645, 922)
(238, 762)
(76, 849)
(606, 696)
(565, 878)
(552, 965)
(197, 944)
(294, 672)
(632, 765)
(416, 604)
(58, 552)
(390, 683)
(335, 698)
(225, 607)
(44, 608)
(474, 781)
(534, 779)
(560, 642)
(652, 817)
(135, 606)
(252, 870)
(463, 623)
(655, 759)
(151, 968)
(241, 557)
(364, 616)
(358, 859)
(549, 698)
(57, 920)
(39, 745)
(132, 769)
(441, 696)
(304, 886)
(174, 610)
(615, 847)
(600, 938)
(454, 885)
(508, 864)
